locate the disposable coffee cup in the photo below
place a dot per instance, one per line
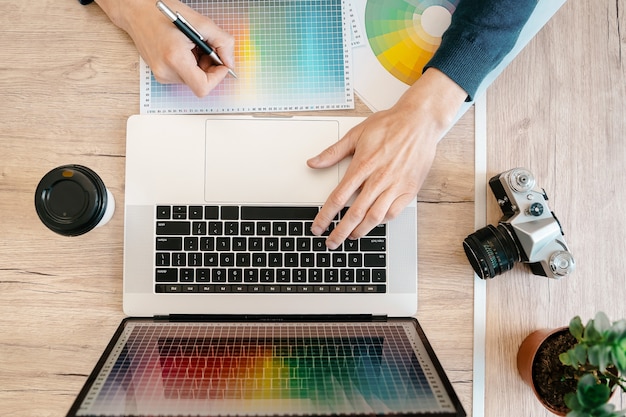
(71, 200)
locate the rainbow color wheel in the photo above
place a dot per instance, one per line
(404, 34)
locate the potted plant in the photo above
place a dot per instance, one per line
(574, 370)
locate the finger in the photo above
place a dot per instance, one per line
(351, 182)
(335, 152)
(199, 81)
(369, 209)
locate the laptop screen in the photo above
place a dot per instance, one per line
(268, 369)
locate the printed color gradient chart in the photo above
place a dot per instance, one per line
(274, 369)
(404, 34)
(289, 56)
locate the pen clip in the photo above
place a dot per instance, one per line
(193, 29)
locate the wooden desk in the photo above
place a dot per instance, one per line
(69, 80)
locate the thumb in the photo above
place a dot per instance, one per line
(334, 153)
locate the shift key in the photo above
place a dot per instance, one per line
(375, 260)
(173, 228)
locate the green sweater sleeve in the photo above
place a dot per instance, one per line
(480, 35)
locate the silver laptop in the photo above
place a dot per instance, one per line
(218, 211)
(310, 333)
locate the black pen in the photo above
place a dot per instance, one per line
(191, 33)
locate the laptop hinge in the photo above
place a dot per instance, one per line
(271, 318)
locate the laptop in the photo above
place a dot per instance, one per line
(190, 171)
(306, 332)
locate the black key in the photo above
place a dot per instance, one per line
(299, 275)
(251, 275)
(179, 259)
(222, 244)
(291, 260)
(218, 275)
(191, 244)
(271, 244)
(278, 213)
(211, 212)
(227, 259)
(355, 260)
(255, 244)
(215, 228)
(307, 259)
(296, 228)
(239, 244)
(339, 260)
(266, 275)
(287, 244)
(211, 259)
(263, 228)
(351, 245)
(203, 275)
(162, 259)
(279, 228)
(179, 212)
(230, 213)
(380, 230)
(319, 244)
(315, 275)
(275, 259)
(196, 212)
(323, 260)
(375, 260)
(186, 275)
(198, 228)
(247, 228)
(231, 228)
(362, 275)
(242, 259)
(194, 259)
(346, 275)
(235, 275)
(169, 243)
(331, 275)
(207, 244)
(283, 275)
(303, 244)
(164, 212)
(373, 244)
(379, 275)
(166, 275)
(259, 259)
(173, 228)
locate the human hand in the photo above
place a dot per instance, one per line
(392, 152)
(172, 57)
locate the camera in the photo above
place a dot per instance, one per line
(528, 231)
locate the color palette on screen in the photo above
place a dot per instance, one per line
(404, 34)
(265, 370)
(289, 56)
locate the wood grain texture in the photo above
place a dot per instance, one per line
(69, 80)
(560, 110)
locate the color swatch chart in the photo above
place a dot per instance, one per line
(274, 369)
(289, 56)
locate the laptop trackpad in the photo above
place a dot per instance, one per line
(264, 161)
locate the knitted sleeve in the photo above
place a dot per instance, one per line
(481, 33)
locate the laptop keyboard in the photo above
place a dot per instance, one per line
(261, 249)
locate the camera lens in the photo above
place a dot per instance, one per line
(491, 251)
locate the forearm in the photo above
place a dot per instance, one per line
(482, 32)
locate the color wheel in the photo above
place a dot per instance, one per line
(404, 34)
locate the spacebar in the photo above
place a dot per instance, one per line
(278, 213)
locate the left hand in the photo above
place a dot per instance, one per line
(392, 153)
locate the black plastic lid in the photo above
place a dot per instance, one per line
(71, 200)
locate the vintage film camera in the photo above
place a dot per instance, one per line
(528, 232)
